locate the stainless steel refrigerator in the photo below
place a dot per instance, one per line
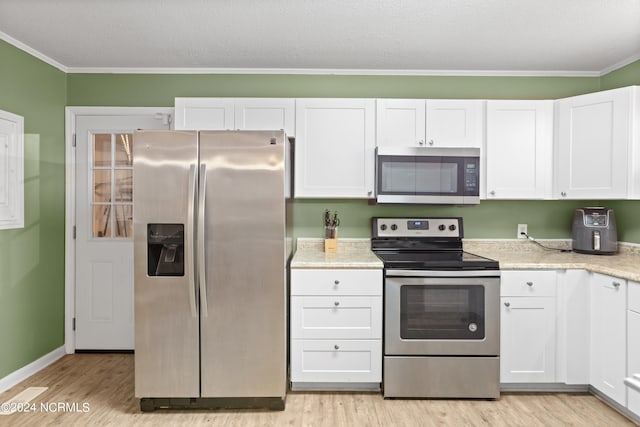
(211, 248)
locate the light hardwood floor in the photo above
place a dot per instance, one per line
(105, 383)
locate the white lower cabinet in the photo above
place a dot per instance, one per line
(527, 327)
(573, 327)
(336, 361)
(633, 348)
(608, 336)
(336, 328)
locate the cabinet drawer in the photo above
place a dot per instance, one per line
(336, 361)
(336, 282)
(634, 296)
(335, 317)
(520, 283)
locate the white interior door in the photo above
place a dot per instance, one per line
(104, 222)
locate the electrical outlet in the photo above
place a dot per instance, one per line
(522, 228)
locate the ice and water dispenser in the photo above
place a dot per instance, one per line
(165, 249)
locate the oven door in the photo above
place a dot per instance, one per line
(453, 316)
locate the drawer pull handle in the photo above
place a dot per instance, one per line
(336, 282)
(507, 304)
(337, 303)
(337, 347)
(616, 284)
(529, 283)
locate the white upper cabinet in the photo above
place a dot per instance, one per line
(335, 143)
(235, 113)
(596, 143)
(519, 149)
(204, 114)
(455, 123)
(430, 123)
(266, 114)
(400, 122)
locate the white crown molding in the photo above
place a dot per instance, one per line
(33, 52)
(335, 71)
(620, 64)
(314, 71)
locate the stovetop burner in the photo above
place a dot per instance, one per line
(424, 244)
(433, 260)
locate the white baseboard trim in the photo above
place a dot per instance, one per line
(25, 372)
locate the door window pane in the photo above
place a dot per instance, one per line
(124, 221)
(124, 149)
(102, 221)
(101, 185)
(123, 186)
(102, 150)
(112, 184)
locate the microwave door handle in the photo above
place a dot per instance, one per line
(202, 268)
(191, 199)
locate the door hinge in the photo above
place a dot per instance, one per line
(73, 324)
(74, 232)
(73, 141)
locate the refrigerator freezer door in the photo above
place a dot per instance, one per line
(243, 334)
(166, 311)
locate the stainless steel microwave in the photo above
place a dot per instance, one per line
(424, 175)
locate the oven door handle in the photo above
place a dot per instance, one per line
(442, 273)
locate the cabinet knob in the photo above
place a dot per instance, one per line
(337, 303)
(337, 347)
(431, 142)
(336, 282)
(369, 193)
(616, 285)
(492, 192)
(421, 142)
(529, 283)
(507, 304)
(563, 193)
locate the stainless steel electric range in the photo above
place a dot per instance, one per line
(441, 311)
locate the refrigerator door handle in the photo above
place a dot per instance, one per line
(190, 234)
(202, 270)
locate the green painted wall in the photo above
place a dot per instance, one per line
(32, 258)
(548, 219)
(625, 76)
(159, 89)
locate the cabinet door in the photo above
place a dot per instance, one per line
(574, 311)
(608, 336)
(336, 361)
(455, 123)
(593, 143)
(204, 114)
(519, 149)
(265, 114)
(527, 339)
(345, 317)
(400, 122)
(335, 143)
(633, 359)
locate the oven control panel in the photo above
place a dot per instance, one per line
(417, 227)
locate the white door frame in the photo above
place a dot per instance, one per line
(70, 203)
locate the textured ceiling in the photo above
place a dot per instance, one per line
(412, 36)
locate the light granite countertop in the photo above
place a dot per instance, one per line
(352, 253)
(512, 255)
(524, 254)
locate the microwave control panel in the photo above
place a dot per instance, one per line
(471, 176)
